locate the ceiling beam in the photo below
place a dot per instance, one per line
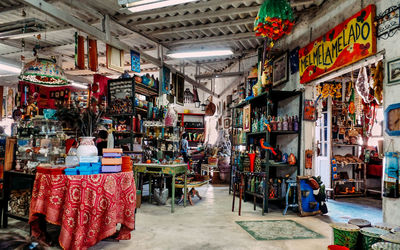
(182, 8)
(11, 8)
(92, 31)
(214, 39)
(192, 28)
(197, 16)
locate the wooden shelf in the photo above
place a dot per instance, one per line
(349, 195)
(122, 114)
(283, 132)
(141, 109)
(254, 194)
(346, 145)
(142, 89)
(349, 181)
(193, 114)
(256, 133)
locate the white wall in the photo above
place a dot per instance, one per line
(308, 29)
(391, 211)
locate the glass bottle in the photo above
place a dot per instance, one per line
(261, 123)
(285, 125)
(273, 124)
(290, 123)
(257, 184)
(296, 124)
(279, 125)
(252, 184)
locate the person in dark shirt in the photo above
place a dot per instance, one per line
(185, 147)
(102, 143)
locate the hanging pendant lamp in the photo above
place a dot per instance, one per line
(274, 19)
(43, 72)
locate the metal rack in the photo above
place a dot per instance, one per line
(270, 167)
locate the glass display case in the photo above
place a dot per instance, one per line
(39, 141)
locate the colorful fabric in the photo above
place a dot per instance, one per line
(87, 207)
(274, 19)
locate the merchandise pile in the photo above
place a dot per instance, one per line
(112, 160)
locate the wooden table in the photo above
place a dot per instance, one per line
(170, 169)
(12, 179)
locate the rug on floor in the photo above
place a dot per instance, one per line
(277, 230)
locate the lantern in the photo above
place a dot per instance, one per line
(43, 72)
(274, 19)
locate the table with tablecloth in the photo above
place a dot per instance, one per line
(87, 207)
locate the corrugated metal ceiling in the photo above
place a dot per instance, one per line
(205, 23)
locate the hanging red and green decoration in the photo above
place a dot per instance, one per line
(43, 71)
(274, 19)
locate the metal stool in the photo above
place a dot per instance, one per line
(290, 184)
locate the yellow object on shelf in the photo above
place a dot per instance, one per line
(186, 111)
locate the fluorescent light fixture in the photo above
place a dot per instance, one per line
(144, 5)
(201, 53)
(10, 68)
(79, 85)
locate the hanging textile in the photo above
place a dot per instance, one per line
(79, 51)
(93, 62)
(352, 107)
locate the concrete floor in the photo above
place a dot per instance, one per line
(210, 224)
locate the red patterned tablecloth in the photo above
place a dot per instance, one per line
(87, 207)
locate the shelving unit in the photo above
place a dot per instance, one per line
(358, 177)
(155, 141)
(275, 190)
(187, 121)
(125, 90)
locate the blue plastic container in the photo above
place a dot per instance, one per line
(96, 170)
(71, 171)
(96, 165)
(84, 164)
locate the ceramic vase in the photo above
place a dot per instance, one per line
(87, 147)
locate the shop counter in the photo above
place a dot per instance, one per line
(87, 207)
(166, 169)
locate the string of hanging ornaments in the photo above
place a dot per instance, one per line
(274, 19)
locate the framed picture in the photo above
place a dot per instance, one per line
(310, 113)
(166, 80)
(115, 58)
(393, 69)
(135, 61)
(392, 119)
(227, 123)
(246, 118)
(280, 73)
(179, 88)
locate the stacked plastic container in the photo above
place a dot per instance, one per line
(112, 160)
(126, 164)
(87, 165)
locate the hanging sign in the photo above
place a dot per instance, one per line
(349, 42)
(135, 61)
